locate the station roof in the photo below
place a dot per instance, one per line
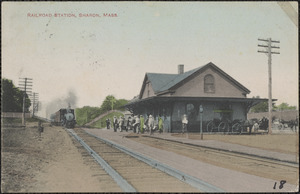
(161, 82)
(169, 99)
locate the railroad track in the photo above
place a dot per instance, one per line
(125, 170)
(106, 182)
(260, 166)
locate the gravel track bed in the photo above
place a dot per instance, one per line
(141, 176)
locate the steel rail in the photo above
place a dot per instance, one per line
(125, 186)
(197, 183)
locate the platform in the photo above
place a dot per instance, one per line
(232, 148)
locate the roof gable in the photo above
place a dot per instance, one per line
(165, 82)
(159, 81)
(179, 78)
(239, 85)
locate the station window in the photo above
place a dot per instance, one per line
(209, 84)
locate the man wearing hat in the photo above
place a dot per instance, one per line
(150, 124)
(160, 124)
(107, 123)
(115, 123)
(142, 123)
(137, 124)
(184, 123)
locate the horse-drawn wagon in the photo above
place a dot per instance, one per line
(236, 126)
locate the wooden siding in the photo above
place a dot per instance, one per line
(195, 87)
(148, 87)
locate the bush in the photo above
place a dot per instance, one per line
(86, 114)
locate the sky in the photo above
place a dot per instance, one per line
(92, 57)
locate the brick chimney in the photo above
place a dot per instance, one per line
(180, 69)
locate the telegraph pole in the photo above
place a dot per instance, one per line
(35, 104)
(268, 51)
(24, 85)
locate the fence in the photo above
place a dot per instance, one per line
(15, 115)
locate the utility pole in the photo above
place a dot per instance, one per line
(112, 103)
(25, 86)
(201, 120)
(269, 53)
(35, 104)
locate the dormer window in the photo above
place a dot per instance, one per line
(209, 84)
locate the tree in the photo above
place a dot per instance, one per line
(108, 103)
(262, 107)
(120, 103)
(111, 103)
(285, 106)
(12, 97)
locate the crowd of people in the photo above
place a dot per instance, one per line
(149, 124)
(137, 123)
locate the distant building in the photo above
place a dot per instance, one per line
(172, 95)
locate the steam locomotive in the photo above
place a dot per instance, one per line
(64, 117)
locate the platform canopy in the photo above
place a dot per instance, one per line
(157, 100)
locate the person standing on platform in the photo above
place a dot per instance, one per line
(146, 123)
(184, 123)
(142, 124)
(133, 123)
(137, 124)
(115, 123)
(160, 124)
(128, 123)
(107, 123)
(121, 123)
(150, 124)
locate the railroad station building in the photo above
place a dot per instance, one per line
(172, 95)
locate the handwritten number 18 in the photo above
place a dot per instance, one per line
(282, 182)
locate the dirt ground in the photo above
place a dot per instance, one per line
(50, 163)
(285, 143)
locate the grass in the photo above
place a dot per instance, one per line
(102, 122)
(86, 114)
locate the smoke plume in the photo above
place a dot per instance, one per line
(55, 105)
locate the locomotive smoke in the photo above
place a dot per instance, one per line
(59, 103)
(71, 99)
